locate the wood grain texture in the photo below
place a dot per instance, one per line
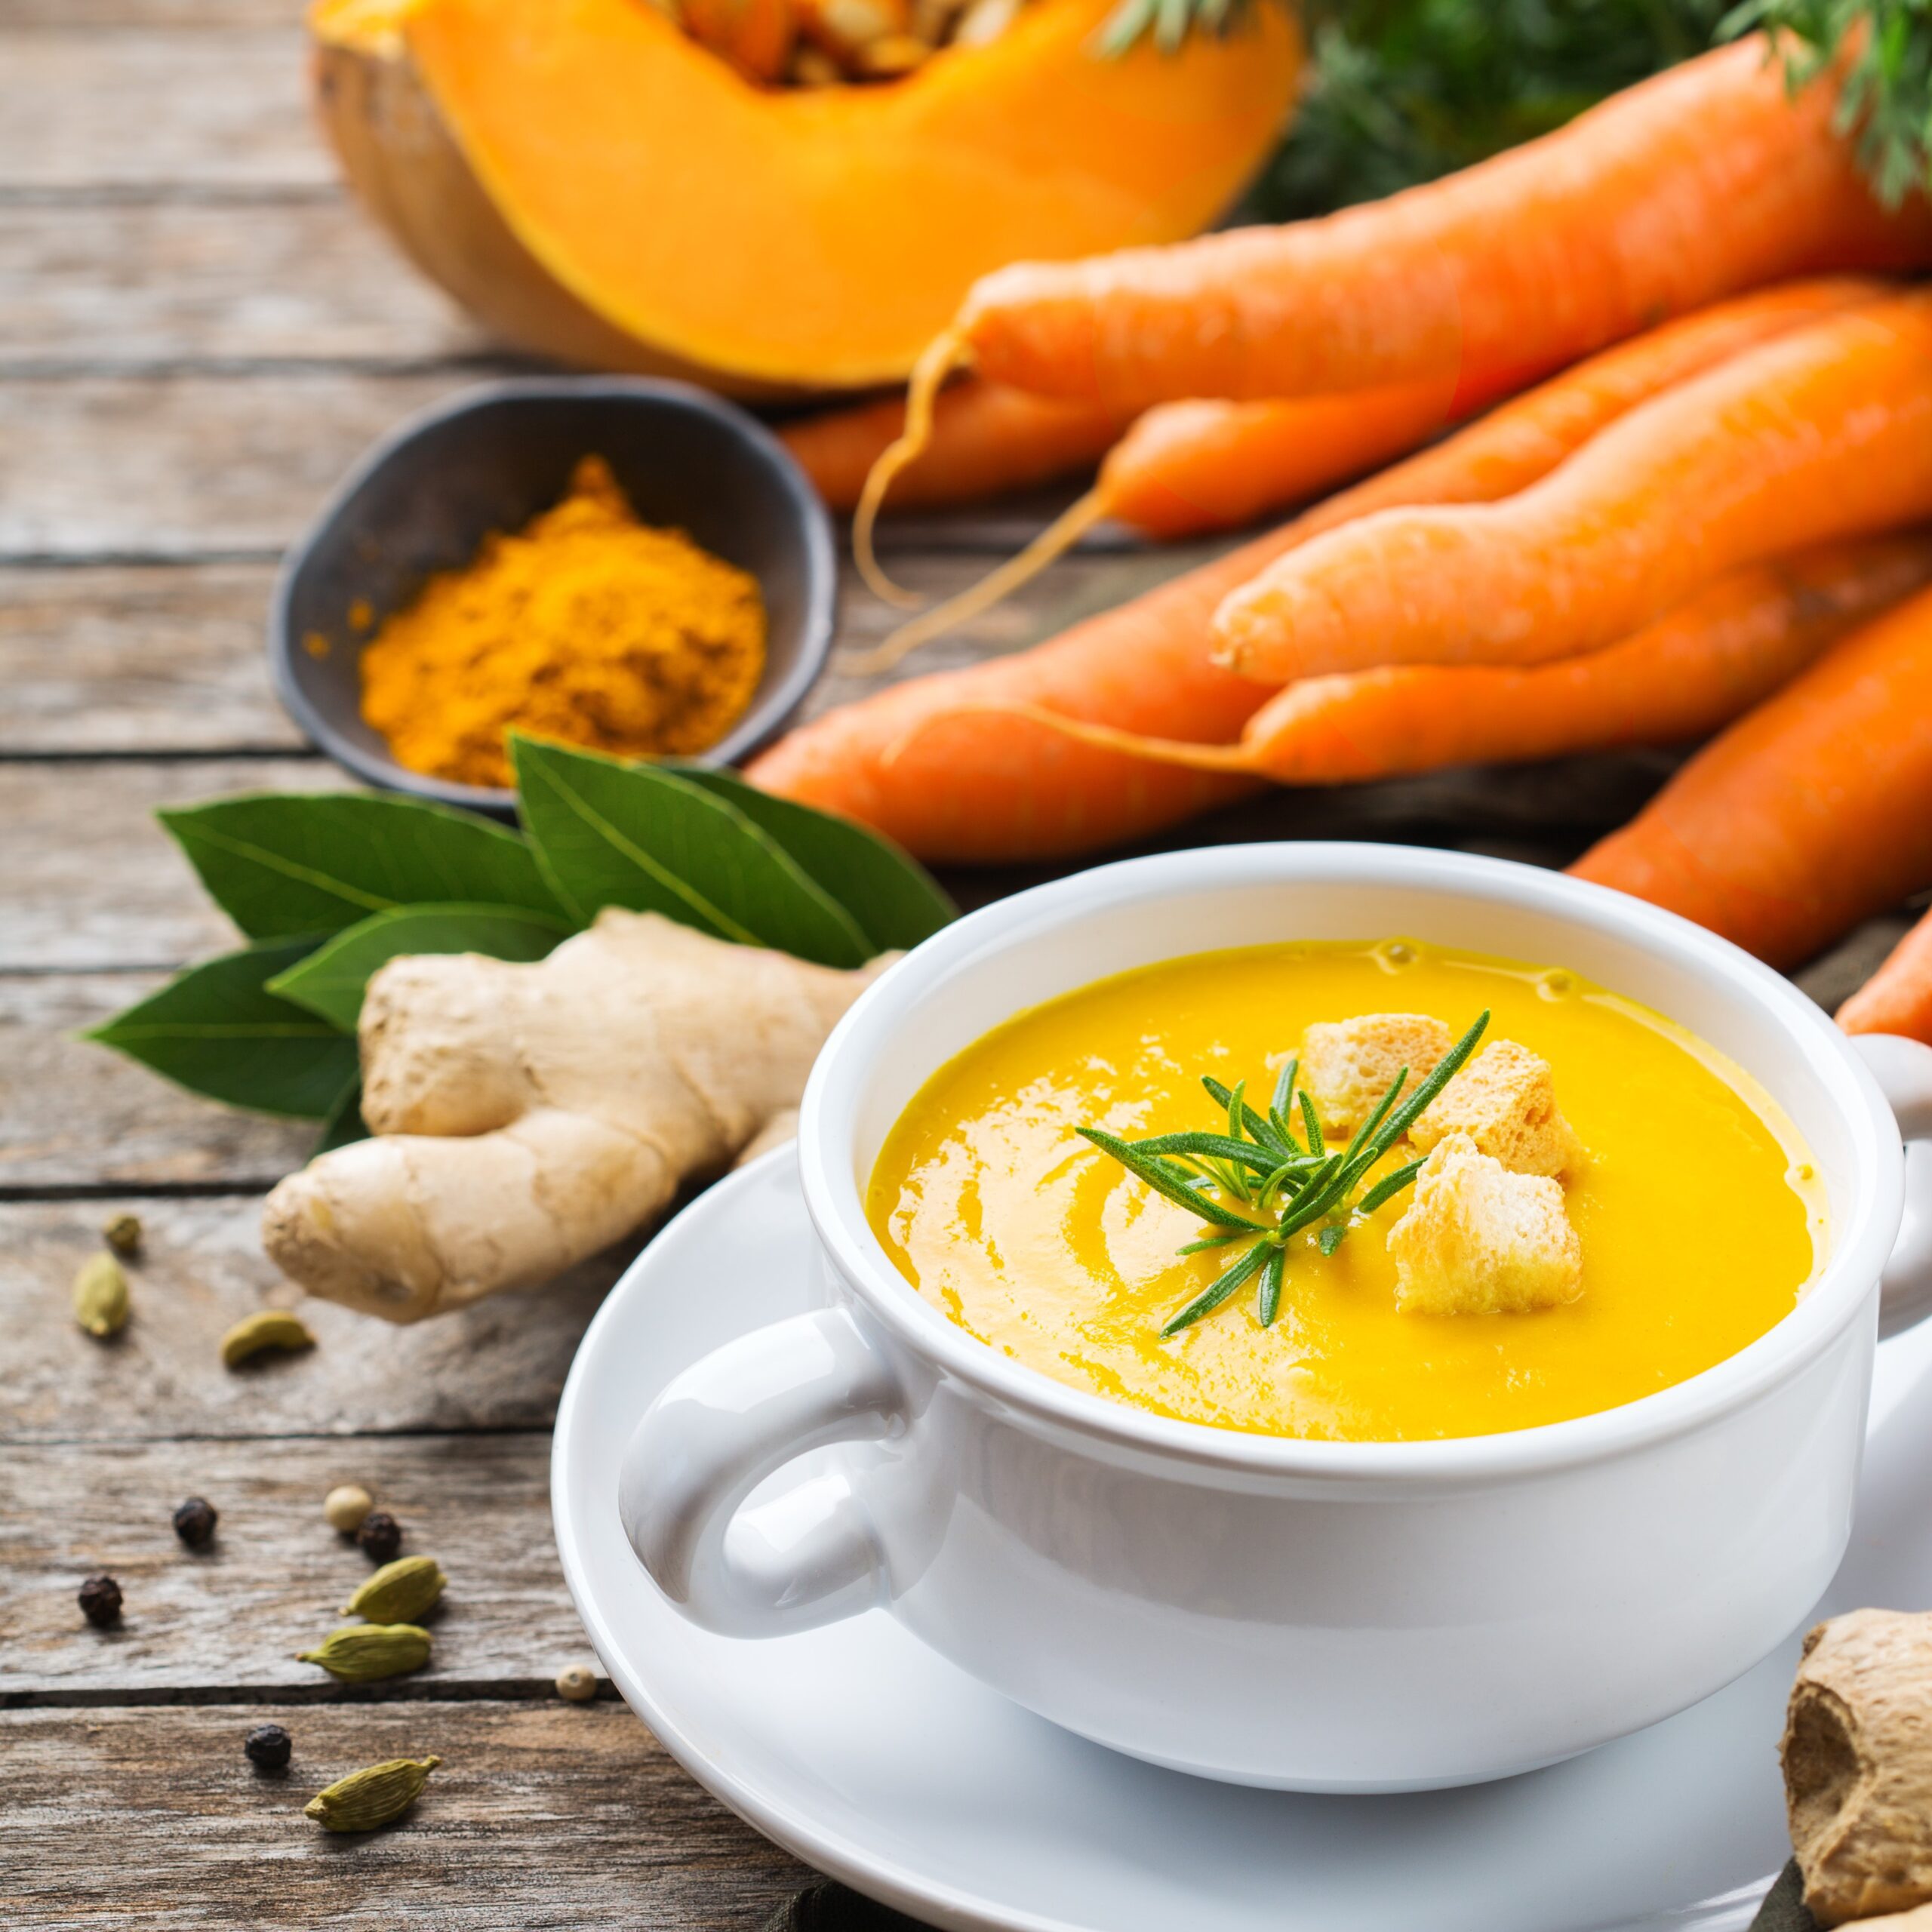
(141, 285)
(225, 1622)
(500, 1365)
(543, 1817)
(93, 882)
(173, 107)
(76, 1116)
(148, 660)
(179, 466)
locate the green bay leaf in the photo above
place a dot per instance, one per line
(280, 863)
(892, 898)
(610, 832)
(217, 1029)
(330, 981)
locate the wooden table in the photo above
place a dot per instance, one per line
(197, 335)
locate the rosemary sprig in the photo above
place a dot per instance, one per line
(1274, 1183)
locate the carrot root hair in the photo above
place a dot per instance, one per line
(1053, 542)
(1235, 758)
(945, 353)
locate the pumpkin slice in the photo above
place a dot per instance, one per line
(597, 186)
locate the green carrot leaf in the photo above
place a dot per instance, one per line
(330, 981)
(217, 1029)
(280, 864)
(891, 897)
(612, 832)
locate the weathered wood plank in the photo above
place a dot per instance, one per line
(227, 1621)
(145, 284)
(167, 107)
(75, 1115)
(149, 659)
(94, 882)
(167, 466)
(543, 1817)
(500, 1365)
(110, 16)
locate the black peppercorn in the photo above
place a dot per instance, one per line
(380, 1536)
(195, 1522)
(268, 1746)
(100, 1602)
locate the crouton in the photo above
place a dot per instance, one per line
(1505, 1100)
(1347, 1067)
(1479, 1239)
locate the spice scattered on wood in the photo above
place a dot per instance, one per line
(346, 1507)
(577, 1685)
(367, 1653)
(586, 625)
(399, 1592)
(267, 1747)
(273, 1328)
(380, 1536)
(195, 1521)
(372, 1796)
(100, 1296)
(123, 1234)
(99, 1600)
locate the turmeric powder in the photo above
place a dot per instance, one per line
(586, 625)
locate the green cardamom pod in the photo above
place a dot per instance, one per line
(272, 1328)
(371, 1796)
(399, 1592)
(361, 1653)
(122, 1233)
(100, 1296)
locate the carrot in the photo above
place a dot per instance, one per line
(985, 440)
(1702, 182)
(1186, 467)
(1812, 813)
(1824, 432)
(1897, 998)
(1680, 678)
(918, 762)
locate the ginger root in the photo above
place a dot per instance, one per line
(526, 1116)
(1857, 1754)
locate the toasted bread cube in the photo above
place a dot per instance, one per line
(1347, 1066)
(1479, 1239)
(1505, 1100)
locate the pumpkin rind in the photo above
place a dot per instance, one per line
(595, 186)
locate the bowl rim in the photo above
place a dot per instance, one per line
(1861, 1240)
(768, 713)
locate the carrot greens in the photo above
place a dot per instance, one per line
(1273, 1182)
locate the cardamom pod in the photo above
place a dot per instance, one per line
(399, 1592)
(371, 1796)
(362, 1653)
(272, 1328)
(122, 1233)
(100, 1296)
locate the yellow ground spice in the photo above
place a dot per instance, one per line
(585, 625)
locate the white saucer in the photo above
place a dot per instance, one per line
(870, 1758)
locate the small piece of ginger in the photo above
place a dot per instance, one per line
(1505, 1101)
(1348, 1064)
(1479, 1239)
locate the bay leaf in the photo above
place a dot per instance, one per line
(279, 862)
(892, 898)
(217, 1029)
(330, 981)
(345, 1122)
(609, 831)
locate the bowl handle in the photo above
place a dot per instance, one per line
(1903, 1068)
(810, 1555)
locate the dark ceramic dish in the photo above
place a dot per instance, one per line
(491, 459)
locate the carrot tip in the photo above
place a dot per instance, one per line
(942, 355)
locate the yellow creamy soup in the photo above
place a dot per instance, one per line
(1694, 1205)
